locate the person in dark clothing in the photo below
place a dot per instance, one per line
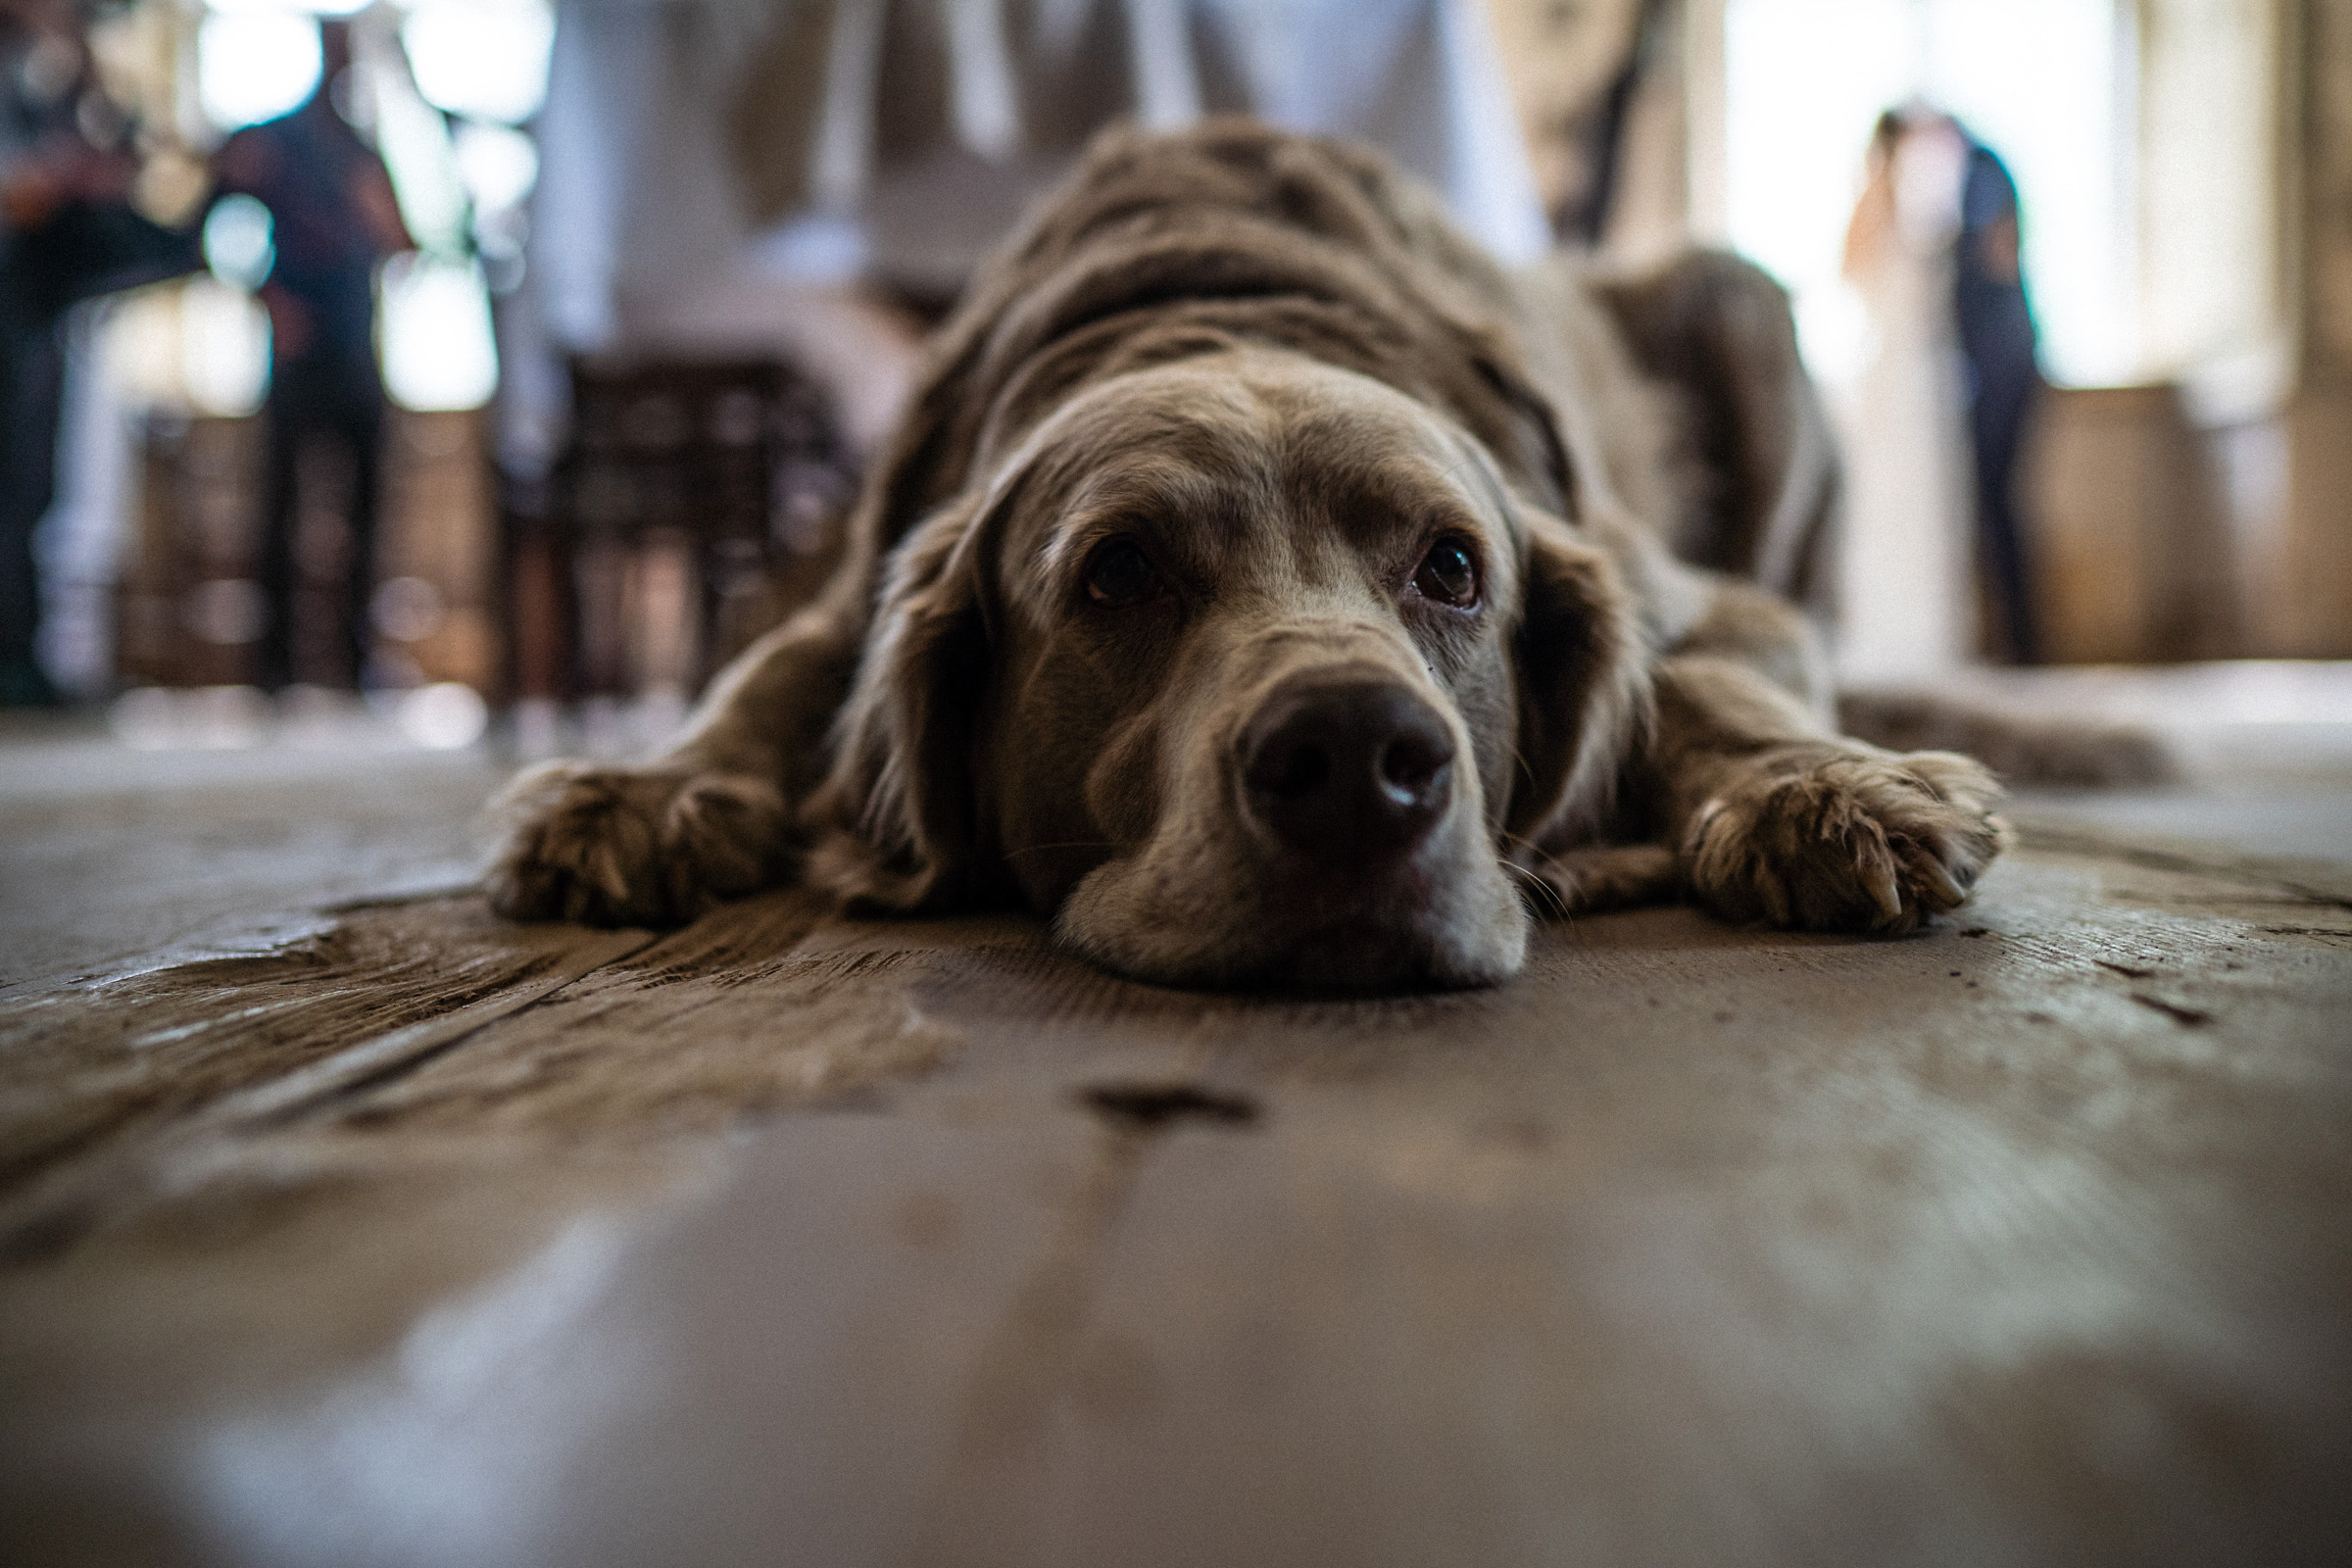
(66, 233)
(2004, 385)
(32, 387)
(333, 217)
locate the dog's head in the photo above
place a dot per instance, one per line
(1249, 669)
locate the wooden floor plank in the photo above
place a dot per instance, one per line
(109, 1059)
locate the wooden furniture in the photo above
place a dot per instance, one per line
(189, 607)
(693, 509)
(2127, 530)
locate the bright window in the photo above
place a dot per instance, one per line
(253, 66)
(483, 58)
(2047, 83)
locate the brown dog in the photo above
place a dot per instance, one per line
(1270, 590)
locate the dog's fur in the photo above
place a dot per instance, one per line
(1268, 363)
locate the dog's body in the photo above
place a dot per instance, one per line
(1270, 590)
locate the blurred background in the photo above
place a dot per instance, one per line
(419, 369)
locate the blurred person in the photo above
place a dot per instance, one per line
(893, 142)
(1904, 608)
(1934, 248)
(1997, 339)
(67, 233)
(334, 217)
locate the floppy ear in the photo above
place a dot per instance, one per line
(1584, 686)
(1524, 432)
(900, 799)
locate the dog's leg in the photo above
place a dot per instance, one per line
(1773, 816)
(720, 813)
(1776, 819)
(1770, 814)
(715, 816)
(1595, 877)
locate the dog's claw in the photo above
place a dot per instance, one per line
(1938, 877)
(1882, 887)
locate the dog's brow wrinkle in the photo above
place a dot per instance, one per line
(1460, 470)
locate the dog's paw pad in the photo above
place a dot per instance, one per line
(1846, 840)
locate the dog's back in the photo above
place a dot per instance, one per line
(1159, 248)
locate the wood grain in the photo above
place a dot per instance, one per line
(792, 1239)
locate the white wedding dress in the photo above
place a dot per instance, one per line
(1907, 610)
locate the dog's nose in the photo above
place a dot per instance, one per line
(1343, 768)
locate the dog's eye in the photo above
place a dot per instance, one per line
(1120, 574)
(1449, 574)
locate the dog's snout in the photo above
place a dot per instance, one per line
(1345, 768)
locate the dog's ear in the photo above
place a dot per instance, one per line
(900, 799)
(1523, 428)
(1583, 685)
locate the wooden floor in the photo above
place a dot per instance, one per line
(399, 1234)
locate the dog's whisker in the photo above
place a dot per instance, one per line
(1544, 886)
(1551, 894)
(1520, 766)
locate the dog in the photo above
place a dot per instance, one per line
(1272, 591)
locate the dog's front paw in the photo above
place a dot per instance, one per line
(1845, 839)
(634, 845)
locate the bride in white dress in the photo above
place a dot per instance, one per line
(1905, 606)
